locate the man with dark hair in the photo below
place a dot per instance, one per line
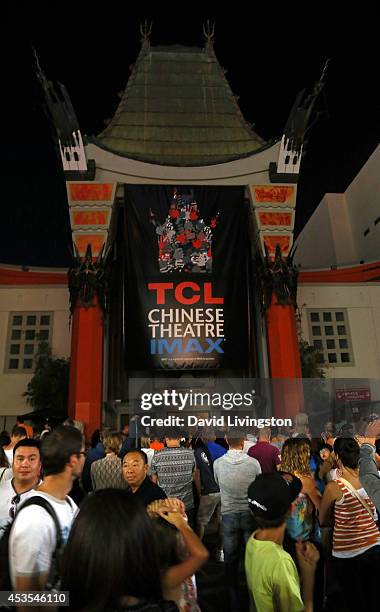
(33, 536)
(271, 572)
(28, 428)
(135, 468)
(173, 469)
(131, 432)
(207, 489)
(93, 454)
(18, 433)
(26, 468)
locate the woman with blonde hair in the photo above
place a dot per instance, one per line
(301, 523)
(295, 458)
(107, 473)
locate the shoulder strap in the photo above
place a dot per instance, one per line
(70, 502)
(36, 500)
(354, 492)
(2, 474)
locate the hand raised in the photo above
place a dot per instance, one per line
(172, 516)
(175, 503)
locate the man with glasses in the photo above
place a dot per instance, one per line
(33, 536)
(26, 466)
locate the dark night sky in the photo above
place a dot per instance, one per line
(267, 64)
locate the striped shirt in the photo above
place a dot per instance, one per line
(174, 468)
(355, 531)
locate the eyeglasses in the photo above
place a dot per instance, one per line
(13, 509)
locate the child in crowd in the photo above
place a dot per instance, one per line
(272, 575)
(328, 470)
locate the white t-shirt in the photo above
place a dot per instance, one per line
(247, 445)
(33, 536)
(7, 493)
(5, 474)
(9, 454)
(149, 453)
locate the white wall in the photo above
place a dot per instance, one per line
(363, 308)
(334, 234)
(363, 202)
(43, 298)
(315, 244)
(327, 238)
(341, 229)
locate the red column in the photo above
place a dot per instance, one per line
(86, 366)
(284, 359)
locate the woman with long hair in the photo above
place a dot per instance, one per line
(301, 523)
(181, 553)
(111, 562)
(295, 459)
(356, 538)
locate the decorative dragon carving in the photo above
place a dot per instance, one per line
(87, 279)
(298, 123)
(278, 276)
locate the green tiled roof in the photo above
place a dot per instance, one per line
(178, 109)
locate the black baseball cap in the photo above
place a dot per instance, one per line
(270, 495)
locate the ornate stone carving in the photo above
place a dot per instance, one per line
(278, 276)
(87, 279)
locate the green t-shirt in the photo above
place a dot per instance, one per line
(272, 577)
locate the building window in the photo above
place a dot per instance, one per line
(26, 331)
(332, 338)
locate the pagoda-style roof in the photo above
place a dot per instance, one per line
(178, 109)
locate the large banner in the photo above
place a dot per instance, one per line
(186, 281)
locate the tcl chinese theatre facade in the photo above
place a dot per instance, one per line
(182, 223)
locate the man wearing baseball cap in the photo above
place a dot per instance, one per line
(272, 575)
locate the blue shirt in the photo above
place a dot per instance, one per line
(216, 450)
(93, 455)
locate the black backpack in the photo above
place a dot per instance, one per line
(54, 574)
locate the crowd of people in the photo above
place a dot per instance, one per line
(127, 523)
